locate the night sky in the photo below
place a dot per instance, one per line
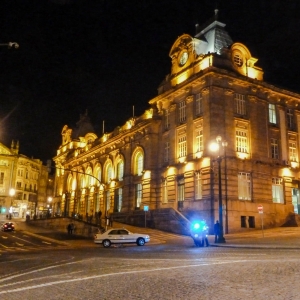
(107, 56)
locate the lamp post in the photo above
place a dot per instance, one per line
(10, 45)
(101, 186)
(216, 147)
(49, 206)
(12, 193)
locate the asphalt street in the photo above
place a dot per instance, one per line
(282, 237)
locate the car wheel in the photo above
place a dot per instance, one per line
(140, 242)
(106, 243)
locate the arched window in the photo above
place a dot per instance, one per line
(139, 164)
(98, 174)
(69, 184)
(108, 174)
(89, 177)
(120, 170)
(82, 181)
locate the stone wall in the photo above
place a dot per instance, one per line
(60, 224)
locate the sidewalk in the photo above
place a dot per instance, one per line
(276, 238)
(282, 237)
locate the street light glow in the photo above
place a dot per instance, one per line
(12, 192)
(214, 147)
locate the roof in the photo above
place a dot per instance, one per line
(212, 37)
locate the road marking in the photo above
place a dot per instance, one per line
(37, 286)
(4, 237)
(46, 243)
(18, 244)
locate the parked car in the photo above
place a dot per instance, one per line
(9, 226)
(120, 236)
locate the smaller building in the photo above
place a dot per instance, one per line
(23, 183)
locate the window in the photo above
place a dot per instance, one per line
(98, 174)
(165, 191)
(166, 152)
(107, 200)
(238, 60)
(277, 190)
(1, 178)
(120, 199)
(198, 103)
(120, 170)
(292, 151)
(138, 194)
(108, 173)
(241, 141)
(20, 172)
(181, 189)
(139, 164)
(290, 118)
(199, 139)
(240, 104)
(182, 146)
(274, 148)
(182, 112)
(89, 177)
(244, 186)
(198, 186)
(82, 181)
(167, 119)
(272, 114)
(19, 185)
(26, 175)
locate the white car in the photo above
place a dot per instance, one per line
(120, 236)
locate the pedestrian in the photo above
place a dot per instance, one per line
(217, 231)
(69, 227)
(72, 228)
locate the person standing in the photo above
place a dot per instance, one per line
(69, 227)
(217, 231)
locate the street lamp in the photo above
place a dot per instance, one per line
(216, 147)
(10, 45)
(12, 193)
(49, 205)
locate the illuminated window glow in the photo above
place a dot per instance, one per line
(240, 104)
(241, 141)
(277, 190)
(244, 186)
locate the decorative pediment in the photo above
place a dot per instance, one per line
(244, 63)
(5, 150)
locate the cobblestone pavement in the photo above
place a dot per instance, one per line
(157, 272)
(171, 267)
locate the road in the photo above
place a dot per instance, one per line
(163, 269)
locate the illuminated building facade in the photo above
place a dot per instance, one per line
(162, 159)
(26, 177)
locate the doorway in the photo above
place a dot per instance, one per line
(295, 200)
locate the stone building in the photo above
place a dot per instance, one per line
(164, 159)
(23, 183)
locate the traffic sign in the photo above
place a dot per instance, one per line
(260, 209)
